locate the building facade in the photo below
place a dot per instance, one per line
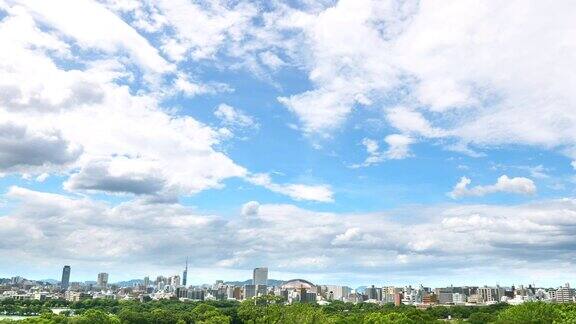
(260, 276)
(65, 283)
(102, 280)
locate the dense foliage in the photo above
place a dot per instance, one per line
(271, 309)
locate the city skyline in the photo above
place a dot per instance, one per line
(166, 299)
(262, 274)
(340, 141)
(296, 290)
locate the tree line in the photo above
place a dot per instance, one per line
(271, 309)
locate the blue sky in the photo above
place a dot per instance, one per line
(350, 142)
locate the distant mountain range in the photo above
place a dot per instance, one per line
(129, 283)
(271, 282)
(50, 281)
(133, 282)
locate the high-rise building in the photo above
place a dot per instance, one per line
(260, 276)
(185, 274)
(458, 298)
(337, 292)
(146, 281)
(490, 294)
(102, 279)
(373, 293)
(249, 291)
(261, 290)
(564, 294)
(65, 277)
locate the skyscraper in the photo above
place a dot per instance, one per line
(102, 279)
(65, 277)
(260, 276)
(185, 274)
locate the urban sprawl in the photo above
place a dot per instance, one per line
(295, 290)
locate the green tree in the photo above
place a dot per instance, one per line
(481, 318)
(533, 313)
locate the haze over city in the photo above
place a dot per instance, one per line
(349, 142)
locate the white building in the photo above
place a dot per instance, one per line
(564, 294)
(458, 299)
(337, 292)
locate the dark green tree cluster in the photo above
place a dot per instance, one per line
(271, 309)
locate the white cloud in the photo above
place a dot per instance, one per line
(87, 122)
(193, 88)
(446, 47)
(56, 228)
(94, 26)
(410, 121)
(349, 235)
(214, 23)
(398, 148)
(42, 177)
(453, 67)
(318, 110)
(320, 193)
(250, 208)
(271, 60)
(234, 117)
(517, 185)
(363, 64)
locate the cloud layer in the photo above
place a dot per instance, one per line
(65, 113)
(518, 185)
(291, 239)
(99, 96)
(458, 71)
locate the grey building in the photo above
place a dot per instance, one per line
(102, 279)
(249, 291)
(65, 283)
(260, 276)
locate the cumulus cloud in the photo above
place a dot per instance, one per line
(193, 88)
(410, 121)
(320, 193)
(517, 185)
(430, 57)
(121, 175)
(92, 25)
(349, 235)
(363, 65)
(87, 121)
(24, 150)
(318, 110)
(59, 227)
(250, 208)
(398, 148)
(271, 60)
(440, 83)
(214, 25)
(234, 117)
(291, 239)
